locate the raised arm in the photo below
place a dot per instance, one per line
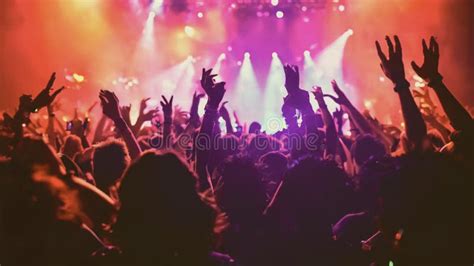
(215, 93)
(357, 117)
(110, 107)
(224, 113)
(459, 117)
(167, 106)
(331, 133)
(194, 118)
(143, 116)
(299, 98)
(395, 71)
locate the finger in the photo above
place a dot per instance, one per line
(398, 46)
(391, 51)
(171, 100)
(164, 99)
(51, 81)
(103, 100)
(432, 44)
(416, 68)
(332, 97)
(435, 46)
(382, 56)
(425, 47)
(57, 92)
(146, 99)
(163, 105)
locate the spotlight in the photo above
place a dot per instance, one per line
(280, 14)
(306, 53)
(221, 57)
(152, 15)
(274, 2)
(274, 54)
(350, 32)
(200, 15)
(246, 55)
(341, 8)
(189, 31)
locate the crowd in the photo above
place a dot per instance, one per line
(182, 191)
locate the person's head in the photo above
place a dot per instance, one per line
(240, 192)
(422, 204)
(255, 128)
(312, 197)
(367, 147)
(162, 215)
(30, 153)
(109, 161)
(262, 144)
(313, 190)
(273, 166)
(72, 146)
(226, 146)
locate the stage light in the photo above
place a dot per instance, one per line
(147, 40)
(304, 8)
(78, 78)
(350, 32)
(327, 66)
(382, 79)
(217, 66)
(246, 92)
(274, 2)
(229, 48)
(341, 8)
(200, 15)
(306, 53)
(246, 55)
(189, 31)
(279, 14)
(239, 63)
(157, 6)
(273, 96)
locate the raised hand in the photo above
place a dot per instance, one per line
(197, 97)
(429, 70)
(110, 105)
(292, 78)
(125, 112)
(215, 91)
(44, 98)
(223, 112)
(167, 106)
(341, 98)
(393, 65)
(319, 96)
(146, 116)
